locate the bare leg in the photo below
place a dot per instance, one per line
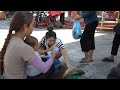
(111, 57)
(58, 55)
(91, 54)
(87, 56)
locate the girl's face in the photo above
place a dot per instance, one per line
(29, 29)
(36, 46)
(51, 41)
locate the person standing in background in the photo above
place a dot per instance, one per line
(87, 39)
(116, 43)
(62, 17)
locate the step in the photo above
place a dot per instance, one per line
(103, 28)
(98, 28)
(107, 25)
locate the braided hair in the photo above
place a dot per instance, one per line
(19, 19)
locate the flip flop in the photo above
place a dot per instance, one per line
(85, 61)
(90, 60)
(108, 60)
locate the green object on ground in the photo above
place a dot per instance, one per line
(73, 73)
(75, 76)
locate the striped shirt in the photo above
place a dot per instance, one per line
(58, 44)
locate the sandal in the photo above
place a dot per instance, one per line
(90, 60)
(85, 61)
(108, 60)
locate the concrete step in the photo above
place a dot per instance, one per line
(107, 25)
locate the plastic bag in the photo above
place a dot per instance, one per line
(76, 31)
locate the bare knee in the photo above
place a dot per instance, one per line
(58, 55)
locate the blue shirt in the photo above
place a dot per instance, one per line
(89, 16)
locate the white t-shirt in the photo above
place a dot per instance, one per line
(32, 71)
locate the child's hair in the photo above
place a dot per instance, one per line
(30, 40)
(19, 19)
(50, 33)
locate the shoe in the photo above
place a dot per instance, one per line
(108, 60)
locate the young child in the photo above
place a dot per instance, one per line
(33, 42)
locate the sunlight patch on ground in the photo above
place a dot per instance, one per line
(64, 34)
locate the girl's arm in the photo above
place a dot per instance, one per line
(40, 65)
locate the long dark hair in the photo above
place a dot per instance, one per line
(50, 33)
(19, 19)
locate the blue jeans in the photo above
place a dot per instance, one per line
(57, 64)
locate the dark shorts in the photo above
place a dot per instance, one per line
(87, 39)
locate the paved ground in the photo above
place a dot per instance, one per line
(94, 70)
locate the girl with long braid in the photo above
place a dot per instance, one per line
(16, 53)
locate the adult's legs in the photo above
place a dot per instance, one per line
(93, 28)
(62, 18)
(114, 50)
(87, 41)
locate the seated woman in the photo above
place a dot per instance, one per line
(16, 53)
(50, 42)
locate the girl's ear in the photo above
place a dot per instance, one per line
(25, 28)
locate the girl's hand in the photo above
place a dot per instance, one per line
(50, 49)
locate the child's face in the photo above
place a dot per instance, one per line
(36, 46)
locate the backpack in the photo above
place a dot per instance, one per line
(114, 73)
